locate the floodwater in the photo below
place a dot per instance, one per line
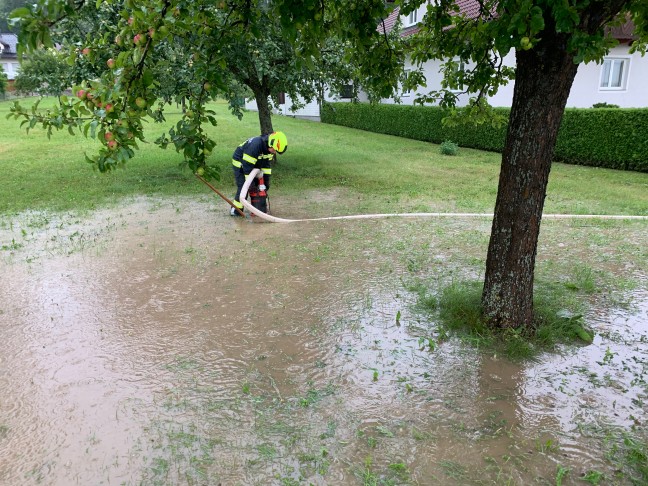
(167, 343)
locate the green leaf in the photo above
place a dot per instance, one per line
(147, 77)
(93, 128)
(20, 13)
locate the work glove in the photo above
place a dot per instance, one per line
(262, 187)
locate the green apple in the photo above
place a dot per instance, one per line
(525, 43)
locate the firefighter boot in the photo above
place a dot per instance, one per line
(234, 212)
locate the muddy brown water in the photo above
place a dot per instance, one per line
(166, 343)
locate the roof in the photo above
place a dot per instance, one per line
(470, 8)
(624, 32)
(388, 24)
(9, 42)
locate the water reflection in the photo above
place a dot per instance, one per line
(157, 354)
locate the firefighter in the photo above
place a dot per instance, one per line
(256, 153)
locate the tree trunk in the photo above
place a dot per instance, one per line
(544, 76)
(265, 114)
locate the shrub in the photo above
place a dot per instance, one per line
(3, 83)
(603, 137)
(449, 148)
(45, 73)
(604, 105)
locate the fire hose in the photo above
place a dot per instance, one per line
(274, 219)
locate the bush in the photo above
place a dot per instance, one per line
(45, 73)
(449, 148)
(604, 105)
(615, 138)
(603, 137)
(3, 83)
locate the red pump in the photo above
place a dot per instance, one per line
(258, 197)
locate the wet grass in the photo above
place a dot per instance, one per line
(568, 284)
(458, 306)
(370, 475)
(385, 173)
(4, 431)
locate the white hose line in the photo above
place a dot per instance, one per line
(274, 219)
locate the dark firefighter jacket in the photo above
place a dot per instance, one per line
(253, 154)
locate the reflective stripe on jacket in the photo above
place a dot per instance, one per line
(253, 153)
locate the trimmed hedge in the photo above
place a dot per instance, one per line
(603, 137)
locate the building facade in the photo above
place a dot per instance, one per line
(8, 57)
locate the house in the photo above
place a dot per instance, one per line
(8, 56)
(311, 111)
(619, 80)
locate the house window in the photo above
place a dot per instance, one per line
(406, 94)
(347, 92)
(614, 73)
(453, 77)
(412, 18)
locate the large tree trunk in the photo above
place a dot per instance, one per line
(543, 79)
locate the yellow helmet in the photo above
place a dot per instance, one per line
(278, 141)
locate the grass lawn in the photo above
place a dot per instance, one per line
(386, 173)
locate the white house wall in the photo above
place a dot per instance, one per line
(11, 68)
(504, 95)
(585, 91)
(432, 72)
(634, 94)
(309, 111)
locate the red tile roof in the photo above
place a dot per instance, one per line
(470, 8)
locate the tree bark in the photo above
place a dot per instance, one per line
(263, 105)
(543, 80)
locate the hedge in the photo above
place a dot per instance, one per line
(615, 138)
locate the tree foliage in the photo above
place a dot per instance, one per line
(3, 82)
(6, 7)
(45, 73)
(481, 41)
(132, 59)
